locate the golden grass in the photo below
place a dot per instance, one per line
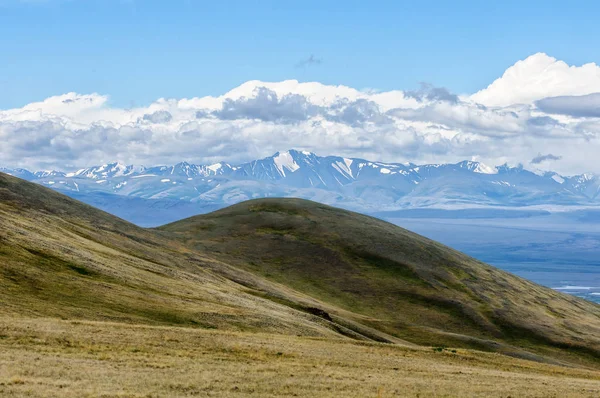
(47, 357)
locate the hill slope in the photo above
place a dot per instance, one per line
(61, 258)
(394, 280)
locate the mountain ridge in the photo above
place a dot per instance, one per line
(353, 183)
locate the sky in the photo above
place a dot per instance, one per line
(90, 81)
(140, 50)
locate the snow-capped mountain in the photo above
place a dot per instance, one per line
(21, 173)
(353, 183)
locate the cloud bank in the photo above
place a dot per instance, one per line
(577, 106)
(515, 119)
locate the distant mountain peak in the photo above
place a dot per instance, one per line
(478, 167)
(284, 161)
(356, 183)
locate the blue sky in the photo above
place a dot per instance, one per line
(138, 51)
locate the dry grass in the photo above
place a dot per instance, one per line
(45, 357)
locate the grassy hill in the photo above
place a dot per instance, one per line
(285, 296)
(61, 258)
(393, 280)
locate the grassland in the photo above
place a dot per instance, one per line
(47, 357)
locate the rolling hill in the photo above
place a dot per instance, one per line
(393, 280)
(61, 258)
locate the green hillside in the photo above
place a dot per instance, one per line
(61, 258)
(393, 280)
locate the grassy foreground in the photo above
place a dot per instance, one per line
(46, 357)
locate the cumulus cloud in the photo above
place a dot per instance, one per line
(267, 106)
(577, 106)
(317, 93)
(465, 116)
(539, 76)
(543, 158)
(257, 119)
(428, 92)
(158, 117)
(356, 113)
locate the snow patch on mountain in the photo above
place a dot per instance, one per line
(485, 169)
(215, 167)
(285, 161)
(344, 167)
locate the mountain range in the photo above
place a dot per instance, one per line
(352, 183)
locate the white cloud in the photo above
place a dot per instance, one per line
(257, 119)
(316, 93)
(539, 76)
